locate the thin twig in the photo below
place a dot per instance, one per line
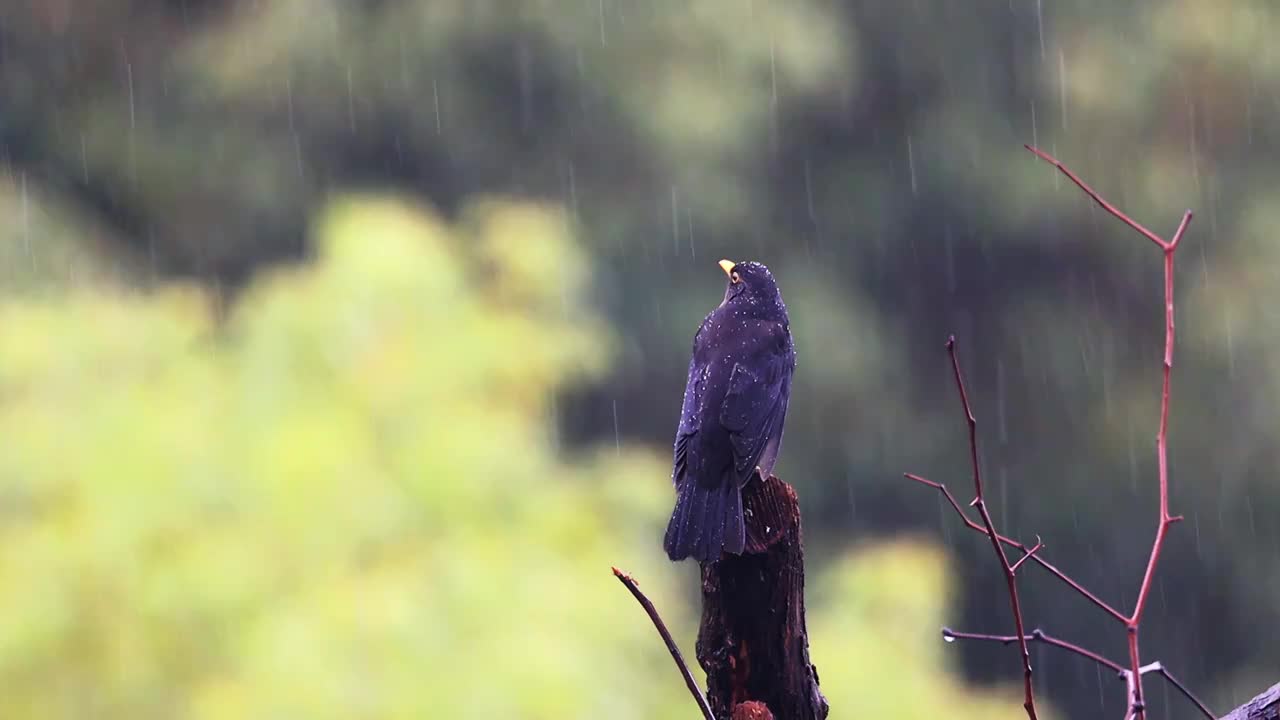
(1123, 672)
(1096, 197)
(1168, 248)
(1158, 667)
(1029, 698)
(1038, 546)
(1133, 674)
(692, 684)
(1037, 559)
(1042, 637)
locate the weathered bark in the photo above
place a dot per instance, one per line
(1263, 707)
(753, 643)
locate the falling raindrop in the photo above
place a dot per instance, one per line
(1062, 85)
(84, 160)
(1191, 142)
(773, 71)
(675, 220)
(351, 103)
(26, 222)
(1035, 139)
(1107, 407)
(688, 218)
(435, 102)
(1253, 527)
(617, 435)
(1248, 110)
(297, 154)
(601, 15)
(293, 130)
(128, 69)
(1231, 346)
(571, 189)
(949, 246)
(808, 189)
(133, 157)
(911, 165)
(1102, 699)
(1040, 26)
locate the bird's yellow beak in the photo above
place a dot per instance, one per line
(727, 266)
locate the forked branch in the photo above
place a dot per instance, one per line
(1036, 558)
(989, 529)
(1133, 674)
(1168, 248)
(1123, 672)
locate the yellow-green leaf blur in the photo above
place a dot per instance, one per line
(345, 498)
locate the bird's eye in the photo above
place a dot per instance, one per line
(735, 277)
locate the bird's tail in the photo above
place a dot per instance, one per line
(705, 521)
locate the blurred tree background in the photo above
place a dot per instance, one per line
(341, 343)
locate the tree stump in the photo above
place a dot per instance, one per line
(752, 642)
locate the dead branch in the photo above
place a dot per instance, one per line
(1121, 671)
(1041, 637)
(1133, 674)
(630, 583)
(1168, 248)
(1036, 558)
(989, 529)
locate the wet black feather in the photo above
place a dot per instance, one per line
(735, 403)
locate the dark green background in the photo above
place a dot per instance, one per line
(869, 152)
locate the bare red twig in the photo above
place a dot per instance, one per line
(979, 502)
(630, 583)
(1039, 545)
(1096, 197)
(1133, 674)
(1123, 672)
(1039, 636)
(1053, 570)
(1168, 247)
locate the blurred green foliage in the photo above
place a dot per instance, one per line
(876, 639)
(346, 500)
(868, 151)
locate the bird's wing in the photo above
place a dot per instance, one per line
(755, 405)
(693, 390)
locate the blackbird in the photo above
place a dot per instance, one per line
(735, 401)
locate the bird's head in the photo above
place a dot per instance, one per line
(752, 290)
